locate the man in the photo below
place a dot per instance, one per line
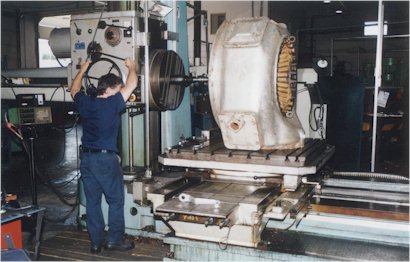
(101, 171)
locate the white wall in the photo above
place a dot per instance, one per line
(232, 9)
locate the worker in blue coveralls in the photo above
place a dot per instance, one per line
(100, 167)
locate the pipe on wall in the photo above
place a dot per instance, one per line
(197, 32)
(378, 81)
(52, 72)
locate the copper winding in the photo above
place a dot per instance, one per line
(283, 74)
(283, 85)
(283, 80)
(283, 70)
(284, 91)
(285, 62)
(286, 71)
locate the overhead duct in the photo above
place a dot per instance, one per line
(60, 42)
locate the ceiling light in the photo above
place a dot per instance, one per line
(159, 9)
(339, 12)
(322, 63)
(326, 2)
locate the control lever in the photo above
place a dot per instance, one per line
(183, 197)
(224, 223)
(172, 217)
(210, 221)
(101, 53)
(103, 25)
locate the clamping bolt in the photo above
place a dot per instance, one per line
(210, 221)
(224, 223)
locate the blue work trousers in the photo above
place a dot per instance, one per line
(101, 173)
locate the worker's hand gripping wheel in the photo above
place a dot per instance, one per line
(98, 68)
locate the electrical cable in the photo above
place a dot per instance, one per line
(58, 61)
(95, 31)
(47, 181)
(316, 114)
(10, 82)
(321, 112)
(310, 110)
(72, 127)
(87, 79)
(65, 119)
(7, 80)
(60, 219)
(62, 197)
(52, 183)
(65, 184)
(302, 90)
(223, 243)
(54, 92)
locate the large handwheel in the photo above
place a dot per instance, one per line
(93, 73)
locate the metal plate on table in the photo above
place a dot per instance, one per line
(228, 194)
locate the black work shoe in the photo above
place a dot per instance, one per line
(123, 245)
(95, 249)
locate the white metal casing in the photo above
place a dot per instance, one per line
(242, 86)
(84, 30)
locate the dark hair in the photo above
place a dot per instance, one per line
(106, 81)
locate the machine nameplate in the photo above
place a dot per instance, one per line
(196, 219)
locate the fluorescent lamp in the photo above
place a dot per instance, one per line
(159, 9)
(371, 28)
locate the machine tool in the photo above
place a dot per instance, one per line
(257, 185)
(262, 150)
(255, 188)
(234, 192)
